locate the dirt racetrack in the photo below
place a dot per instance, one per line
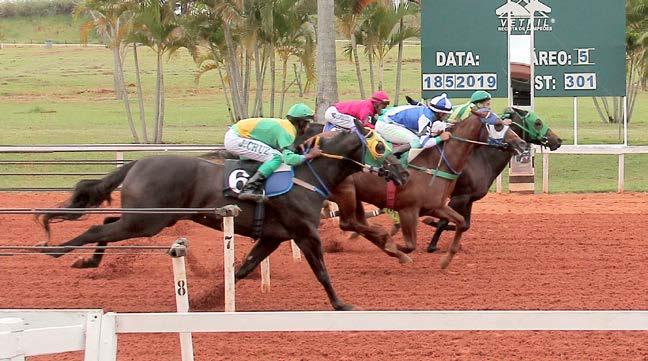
(558, 252)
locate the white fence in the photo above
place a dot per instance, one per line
(618, 150)
(120, 149)
(37, 332)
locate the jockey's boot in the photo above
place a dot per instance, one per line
(253, 189)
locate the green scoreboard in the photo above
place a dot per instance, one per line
(579, 46)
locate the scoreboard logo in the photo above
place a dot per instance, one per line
(520, 12)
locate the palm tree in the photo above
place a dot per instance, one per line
(327, 93)
(636, 61)
(399, 59)
(155, 25)
(111, 21)
(349, 12)
(295, 36)
(206, 30)
(382, 34)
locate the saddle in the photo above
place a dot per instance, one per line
(237, 172)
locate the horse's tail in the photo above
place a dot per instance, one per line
(218, 156)
(88, 193)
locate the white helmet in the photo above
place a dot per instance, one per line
(441, 104)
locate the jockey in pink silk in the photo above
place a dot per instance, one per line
(341, 115)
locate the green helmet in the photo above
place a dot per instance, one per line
(479, 96)
(301, 111)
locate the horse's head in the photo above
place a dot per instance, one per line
(532, 128)
(365, 148)
(482, 126)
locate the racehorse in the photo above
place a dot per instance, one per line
(192, 182)
(432, 178)
(486, 164)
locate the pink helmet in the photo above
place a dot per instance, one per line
(380, 97)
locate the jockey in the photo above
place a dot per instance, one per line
(269, 140)
(415, 124)
(478, 100)
(341, 115)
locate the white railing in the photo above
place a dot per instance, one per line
(619, 150)
(37, 332)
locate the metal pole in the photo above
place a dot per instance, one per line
(545, 172)
(498, 184)
(575, 121)
(228, 263)
(265, 275)
(625, 121)
(509, 90)
(532, 62)
(621, 184)
(178, 252)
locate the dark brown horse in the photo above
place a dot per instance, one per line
(424, 194)
(486, 163)
(190, 182)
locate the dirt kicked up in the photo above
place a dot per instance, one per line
(558, 252)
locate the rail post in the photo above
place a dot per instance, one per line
(10, 329)
(621, 183)
(545, 171)
(265, 275)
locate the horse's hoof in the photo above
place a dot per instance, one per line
(431, 249)
(353, 235)
(445, 261)
(405, 259)
(406, 249)
(83, 263)
(343, 307)
(429, 221)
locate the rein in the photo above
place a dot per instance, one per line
(325, 192)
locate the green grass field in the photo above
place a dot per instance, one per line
(64, 96)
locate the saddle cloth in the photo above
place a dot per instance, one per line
(237, 172)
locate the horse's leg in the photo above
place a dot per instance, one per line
(128, 226)
(462, 204)
(350, 209)
(456, 218)
(95, 260)
(409, 220)
(440, 227)
(261, 249)
(311, 247)
(376, 235)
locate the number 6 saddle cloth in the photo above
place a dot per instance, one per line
(237, 172)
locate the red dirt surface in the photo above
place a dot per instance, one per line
(558, 252)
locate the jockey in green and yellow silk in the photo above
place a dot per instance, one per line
(269, 140)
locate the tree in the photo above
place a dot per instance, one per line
(155, 25)
(636, 64)
(111, 21)
(381, 33)
(349, 12)
(295, 36)
(327, 93)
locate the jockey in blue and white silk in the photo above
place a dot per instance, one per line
(416, 125)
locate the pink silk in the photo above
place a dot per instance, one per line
(360, 109)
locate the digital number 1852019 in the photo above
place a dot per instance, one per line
(459, 81)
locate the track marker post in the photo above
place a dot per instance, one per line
(228, 213)
(265, 275)
(178, 252)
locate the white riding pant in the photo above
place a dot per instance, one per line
(249, 148)
(397, 134)
(334, 117)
